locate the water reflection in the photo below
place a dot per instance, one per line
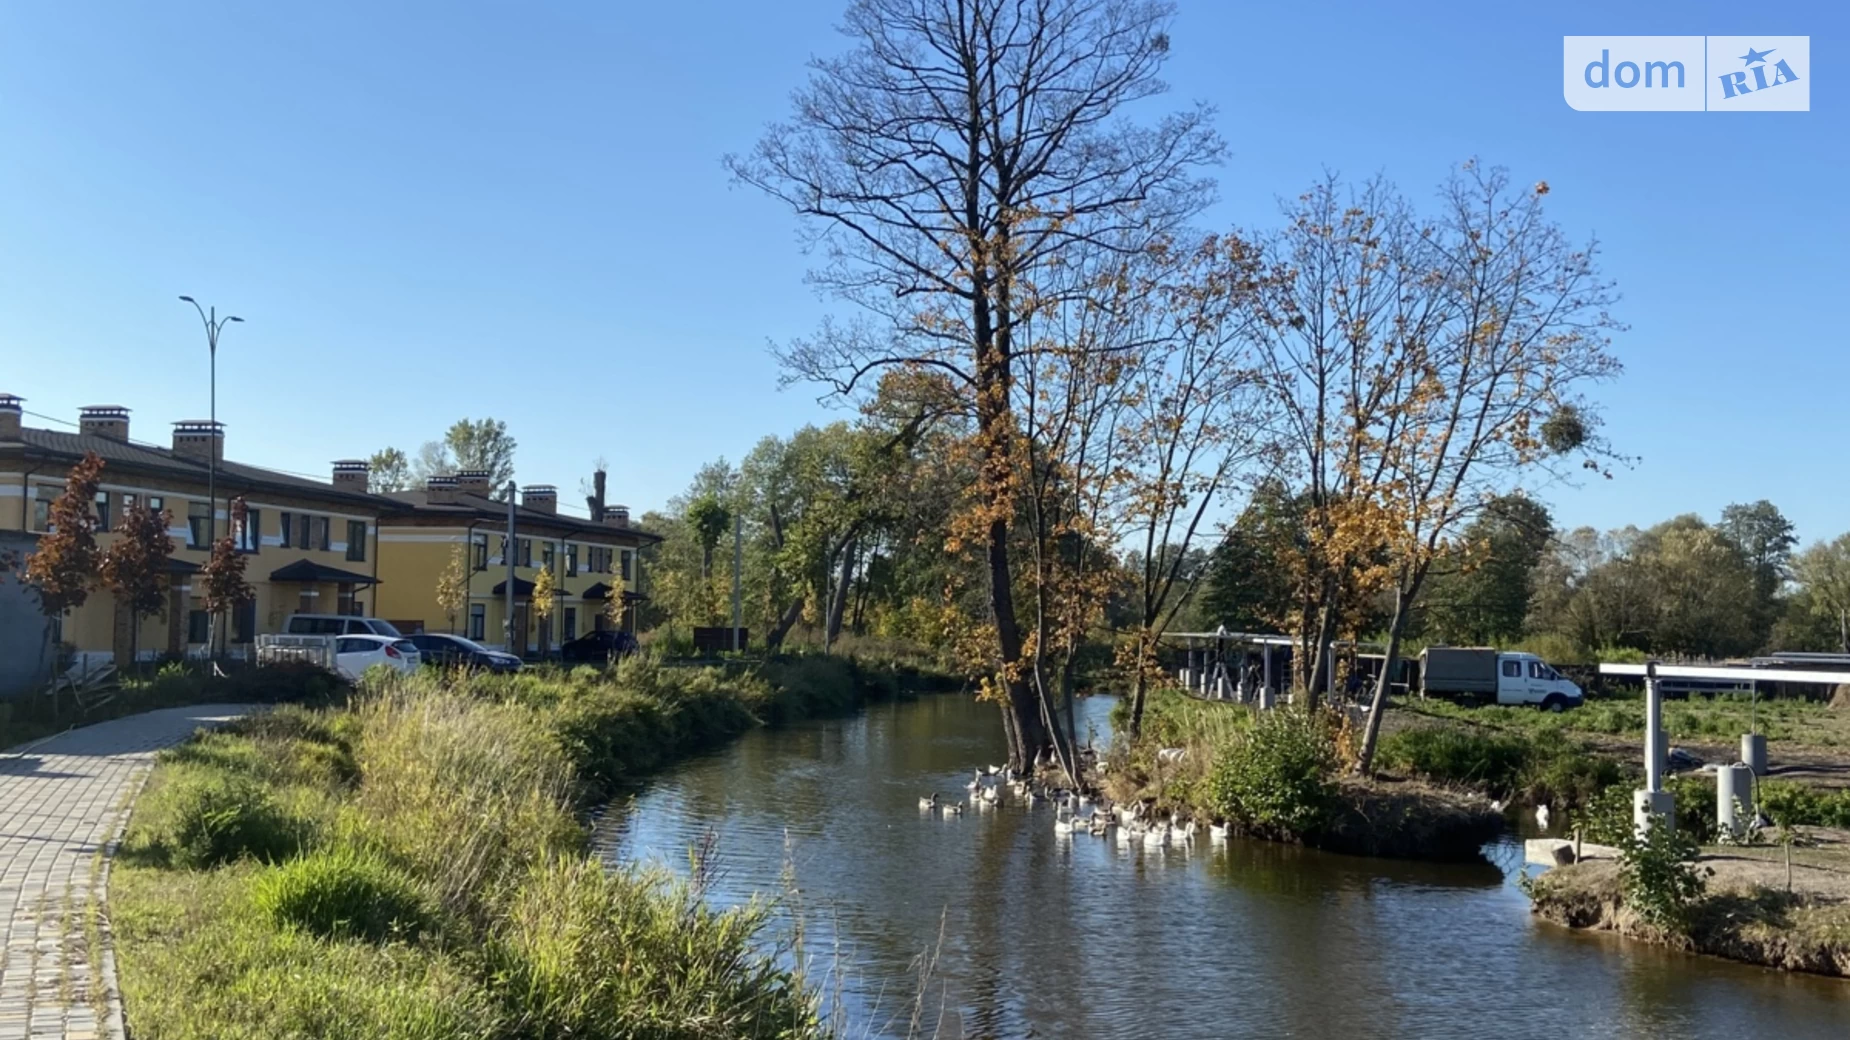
(1054, 936)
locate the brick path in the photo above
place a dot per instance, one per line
(63, 802)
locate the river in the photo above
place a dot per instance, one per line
(1045, 935)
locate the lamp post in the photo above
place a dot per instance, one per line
(214, 325)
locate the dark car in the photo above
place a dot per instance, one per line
(598, 647)
(448, 651)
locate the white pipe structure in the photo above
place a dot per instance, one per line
(1654, 800)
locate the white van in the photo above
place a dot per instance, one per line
(1510, 677)
(339, 625)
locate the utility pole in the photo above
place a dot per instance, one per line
(509, 552)
(214, 325)
(738, 577)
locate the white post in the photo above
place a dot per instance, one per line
(1653, 801)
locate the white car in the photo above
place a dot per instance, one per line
(353, 655)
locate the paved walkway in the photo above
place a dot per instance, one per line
(63, 802)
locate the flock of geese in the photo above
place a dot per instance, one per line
(1075, 812)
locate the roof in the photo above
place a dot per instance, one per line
(469, 505)
(310, 571)
(522, 587)
(234, 476)
(602, 591)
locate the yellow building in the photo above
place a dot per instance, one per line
(313, 547)
(591, 560)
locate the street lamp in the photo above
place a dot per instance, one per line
(214, 325)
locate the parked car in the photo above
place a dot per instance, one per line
(598, 647)
(353, 655)
(339, 625)
(1505, 678)
(457, 652)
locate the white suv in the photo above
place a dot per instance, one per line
(339, 625)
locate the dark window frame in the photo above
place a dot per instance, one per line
(356, 547)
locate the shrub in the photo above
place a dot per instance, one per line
(1795, 805)
(1658, 876)
(1275, 778)
(1606, 818)
(341, 893)
(593, 954)
(1452, 754)
(202, 817)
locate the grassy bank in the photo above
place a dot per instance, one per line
(1286, 775)
(171, 685)
(413, 865)
(1745, 911)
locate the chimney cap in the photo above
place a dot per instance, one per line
(441, 481)
(544, 489)
(199, 426)
(13, 401)
(481, 473)
(102, 411)
(350, 464)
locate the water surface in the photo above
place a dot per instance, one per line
(1053, 936)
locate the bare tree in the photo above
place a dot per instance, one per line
(1488, 388)
(958, 150)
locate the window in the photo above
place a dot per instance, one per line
(198, 625)
(571, 561)
(480, 552)
(102, 511)
(1512, 669)
(502, 555)
(356, 540)
(157, 504)
(302, 535)
(478, 621)
(569, 627)
(350, 645)
(343, 594)
(41, 512)
(1538, 670)
(546, 556)
(250, 533)
(197, 518)
(128, 503)
(244, 623)
(526, 552)
(286, 523)
(318, 532)
(626, 564)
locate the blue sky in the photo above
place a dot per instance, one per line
(448, 209)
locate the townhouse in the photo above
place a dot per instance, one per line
(592, 560)
(312, 546)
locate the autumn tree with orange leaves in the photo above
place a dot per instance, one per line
(222, 578)
(64, 566)
(1427, 367)
(944, 165)
(135, 569)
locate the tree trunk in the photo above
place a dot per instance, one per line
(1378, 706)
(1319, 672)
(838, 600)
(775, 638)
(1139, 689)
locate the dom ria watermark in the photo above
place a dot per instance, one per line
(1687, 73)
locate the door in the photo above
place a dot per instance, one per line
(1512, 685)
(1541, 682)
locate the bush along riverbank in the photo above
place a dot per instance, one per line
(1287, 775)
(414, 865)
(1778, 896)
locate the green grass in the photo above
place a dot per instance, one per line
(413, 865)
(1538, 766)
(1702, 718)
(172, 685)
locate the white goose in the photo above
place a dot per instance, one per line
(928, 803)
(991, 794)
(1156, 837)
(1182, 834)
(953, 808)
(1217, 832)
(1062, 823)
(1541, 816)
